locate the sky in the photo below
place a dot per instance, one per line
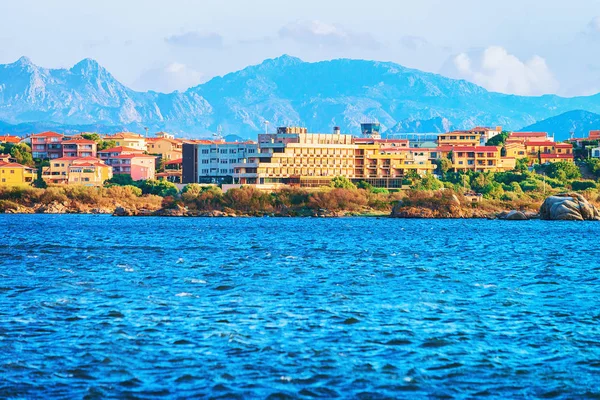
(527, 47)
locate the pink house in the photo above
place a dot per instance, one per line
(129, 161)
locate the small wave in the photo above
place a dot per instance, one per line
(184, 294)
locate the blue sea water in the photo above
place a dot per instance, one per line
(97, 306)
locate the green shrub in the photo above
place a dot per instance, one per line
(583, 185)
(158, 188)
(341, 182)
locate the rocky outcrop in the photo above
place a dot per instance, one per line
(52, 208)
(568, 207)
(513, 215)
(434, 207)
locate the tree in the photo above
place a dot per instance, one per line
(499, 139)
(101, 143)
(563, 171)
(121, 180)
(341, 182)
(522, 165)
(106, 144)
(444, 165)
(92, 136)
(158, 188)
(365, 185)
(428, 182)
(21, 152)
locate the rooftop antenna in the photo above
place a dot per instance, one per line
(266, 126)
(219, 135)
(146, 129)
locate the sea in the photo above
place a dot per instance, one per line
(94, 306)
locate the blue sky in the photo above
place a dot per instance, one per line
(525, 47)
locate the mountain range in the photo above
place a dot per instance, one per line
(283, 91)
(577, 122)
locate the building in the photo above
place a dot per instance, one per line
(459, 138)
(477, 158)
(168, 149)
(128, 139)
(294, 157)
(87, 171)
(164, 135)
(10, 139)
(486, 133)
(594, 135)
(14, 174)
(522, 137)
(206, 161)
(46, 145)
(130, 161)
(538, 148)
(79, 147)
(172, 171)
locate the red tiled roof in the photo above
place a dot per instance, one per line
(173, 162)
(10, 139)
(133, 156)
(11, 165)
(528, 134)
(48, 134)
(564, 145)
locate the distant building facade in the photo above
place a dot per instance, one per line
(206, 161)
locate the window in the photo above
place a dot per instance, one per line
(232, 151)
(223, 171)
(205, 171)
(204, 161)
(223, 151)
(250, 150)
(12, 171)
(204, 151)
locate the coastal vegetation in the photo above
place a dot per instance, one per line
(445, 194)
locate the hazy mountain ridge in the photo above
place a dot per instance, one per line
(578, 122)
(284, 91)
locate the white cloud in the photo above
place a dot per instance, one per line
(174, 76)
(497, 70)
(196, 39)
(319, 33)
(594, 25)
(414, 42)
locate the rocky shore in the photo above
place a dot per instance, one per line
(564, 206)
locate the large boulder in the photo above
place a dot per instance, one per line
(515, 215)
(568, 207)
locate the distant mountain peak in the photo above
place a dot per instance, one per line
(24, 62)
(284, 60)
(87, 65)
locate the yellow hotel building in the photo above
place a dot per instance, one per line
(459, 138)
(313, 159)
